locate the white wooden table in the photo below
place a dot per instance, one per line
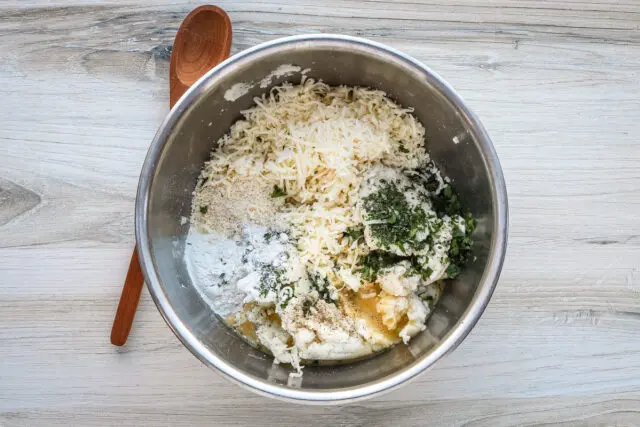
(556, 83)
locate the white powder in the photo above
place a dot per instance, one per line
(228, 271)
(237, 90)
(285, 70)
(212, 260)
(240, 89)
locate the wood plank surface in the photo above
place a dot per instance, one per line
(557, 84)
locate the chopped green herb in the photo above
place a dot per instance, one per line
(408, 229)
(376, 261)
(267, 236)
(429, 300)
(321, 285)
(278, 192)
(461, 245)
(419, 267)
(373, 262)
(399, 222)
(453, 270)
(459, 252)
(470, 223)
(403, 149)
(446, 202)
(204, 209)
(285, 295)
(354, 233)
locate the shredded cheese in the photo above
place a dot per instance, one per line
(316, 142)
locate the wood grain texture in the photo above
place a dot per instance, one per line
(557, 85)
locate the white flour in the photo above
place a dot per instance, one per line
(240, 89)
(211, 261)
(237, 90)
(229, 271)
(283, 70)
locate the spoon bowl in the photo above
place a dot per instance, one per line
(202, 42)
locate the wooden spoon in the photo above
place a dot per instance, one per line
(202, 42)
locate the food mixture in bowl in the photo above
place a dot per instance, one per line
(320, 229)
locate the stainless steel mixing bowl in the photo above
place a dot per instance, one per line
(456, 140)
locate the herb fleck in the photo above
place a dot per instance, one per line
(354, 233)
(453, 270)
(278, 192)
(284, 295)
(429, 300)
(321, 285)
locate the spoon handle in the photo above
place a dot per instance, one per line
(135, 279)
(128, 302)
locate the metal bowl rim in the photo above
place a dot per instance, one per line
(469, 318)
